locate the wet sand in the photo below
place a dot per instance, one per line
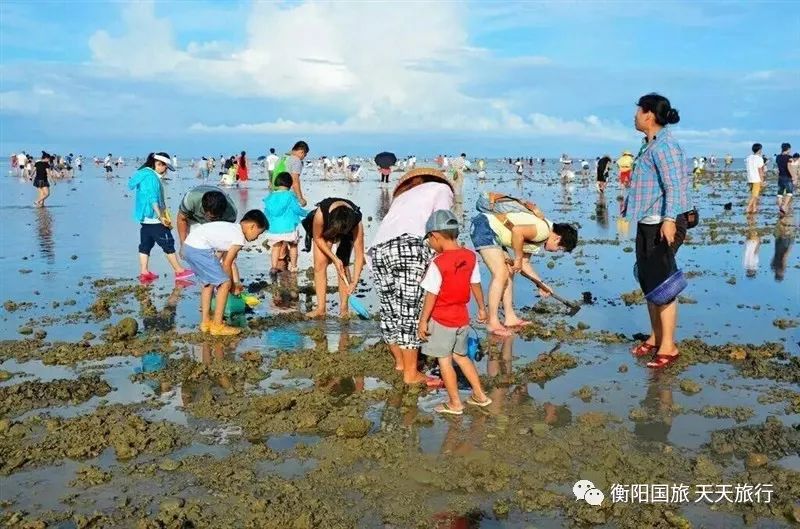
(306, 424)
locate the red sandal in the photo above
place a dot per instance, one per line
(662, 361)
(643, 349)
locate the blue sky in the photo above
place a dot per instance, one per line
(488, 78)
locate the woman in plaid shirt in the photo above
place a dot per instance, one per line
(657, 201)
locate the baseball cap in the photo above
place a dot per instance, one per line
(441, 220)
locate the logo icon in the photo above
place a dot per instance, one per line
(586, 491)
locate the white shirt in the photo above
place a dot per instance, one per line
(750, 260)
(219, 236)
(272, 160)
(21, 160)
(754, 162)
(346, 161)
(107, 161)
(432, 282)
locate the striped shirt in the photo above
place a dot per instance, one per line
(660, 180)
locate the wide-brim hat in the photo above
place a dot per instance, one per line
(411, 179)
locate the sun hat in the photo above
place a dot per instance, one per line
(165, 160)
(629, 153)
(428, 174)
(441, 220)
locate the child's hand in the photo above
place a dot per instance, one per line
(422, 331)
(545, 290)
(482, 315)
(339, 267)
(517, 266)
(237, 289)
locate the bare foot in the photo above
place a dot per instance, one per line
(315, 315)
(517, 323)
(498, 330)
(345, 315)
(419, 379)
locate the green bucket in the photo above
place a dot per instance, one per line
(233, 306)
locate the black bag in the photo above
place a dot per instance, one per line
(692, 218)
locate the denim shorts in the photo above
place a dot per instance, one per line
(205, 265)
(785, 187)
(482, 235)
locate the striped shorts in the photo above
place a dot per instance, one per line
(398, 266)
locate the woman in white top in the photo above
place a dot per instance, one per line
(399, 258)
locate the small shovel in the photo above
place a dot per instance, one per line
(573, 307)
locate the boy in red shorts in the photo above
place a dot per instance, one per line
(450, 278)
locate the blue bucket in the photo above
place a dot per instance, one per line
(284, 339)
(668, 290)
(153, 362)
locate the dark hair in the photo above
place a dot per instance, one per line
(463, 155)
(757, 147)
(660, 107)
(151, 159)
(341, 221)
(214, 204)
(283, 179)
(272, 150)
(785, 147)
(448, 234)
(257, 216)
(568, 234)
(301, 146)
(796, 155)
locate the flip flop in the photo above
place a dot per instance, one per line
(445, 409)
(643, 349)
(472, 400)
(662, 361)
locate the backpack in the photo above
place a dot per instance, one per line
(502, 204)
(280, 167)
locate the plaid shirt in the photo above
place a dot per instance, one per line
(660, 180)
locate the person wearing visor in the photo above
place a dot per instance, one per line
(151, 213)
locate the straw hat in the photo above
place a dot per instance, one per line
(627, 153)
(427, 174)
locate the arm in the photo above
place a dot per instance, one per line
(297, 190)
(316, 234)
(358, 248)
(477, 293)
(228, 262)
(425, 315)
(519, 234)
(182, 223)
(528, 269)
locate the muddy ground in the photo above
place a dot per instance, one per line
(116, 412)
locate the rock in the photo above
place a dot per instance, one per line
(794, 514)
(10, 306)
(623, 368)
(755, 460)
(353, 428)
(89, 336)
(689, 386)
(40, 334)
(5, 375)
(738, 354)
(252, 356)
(5, 425)
(169, 465)
(73, 257)
(126, 329)
(171, 504)
(25, 330)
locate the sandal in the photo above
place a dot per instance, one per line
(445, 409)
(643, 349)
(662, 361)
(481, 403)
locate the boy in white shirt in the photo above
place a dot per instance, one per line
(755, 177)
(201, 247)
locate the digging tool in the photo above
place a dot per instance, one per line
(573, 307)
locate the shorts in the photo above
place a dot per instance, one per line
(206, 265)
(444, 341)
(109, 169)
(755, 189)
(152, 234)
(655, 259)
(292, 237)
(398, 266)
(785, 187)
(41, 182)
(482, 235)
(625, 176)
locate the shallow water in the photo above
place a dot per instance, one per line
(52, 254)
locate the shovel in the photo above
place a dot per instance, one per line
(573, 307)
(355, 303)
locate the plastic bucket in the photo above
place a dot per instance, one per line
(234, 305)
(668, 290)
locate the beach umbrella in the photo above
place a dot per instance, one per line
(385, 159)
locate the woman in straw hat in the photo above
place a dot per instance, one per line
(399, 258)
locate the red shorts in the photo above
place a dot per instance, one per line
(625, 177)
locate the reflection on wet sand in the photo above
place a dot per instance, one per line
(658, 407)
(784, 238)
(44, 231)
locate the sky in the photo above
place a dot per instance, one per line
(534, 78)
